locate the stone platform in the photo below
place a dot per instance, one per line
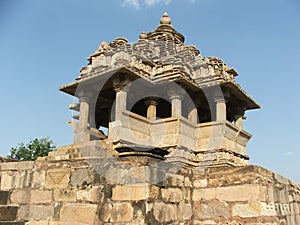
(97, 189)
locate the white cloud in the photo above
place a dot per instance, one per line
(289, 153)
(152, 2)
(137, 3)
(134, 3)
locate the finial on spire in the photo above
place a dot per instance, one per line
(165, 19)
(143, 35)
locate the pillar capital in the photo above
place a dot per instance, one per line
(176, 94)
(86, 99)
(152, 100)
(86, 94)
(121, 84)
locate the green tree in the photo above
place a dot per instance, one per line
(32, 150)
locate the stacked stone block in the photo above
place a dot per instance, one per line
(8, 212)
(73, 192)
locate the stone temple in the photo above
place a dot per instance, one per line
(158, 139)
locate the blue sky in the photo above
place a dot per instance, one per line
(44, 44)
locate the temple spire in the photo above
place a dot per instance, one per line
(165, 19)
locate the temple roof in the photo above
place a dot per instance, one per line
(161, 56)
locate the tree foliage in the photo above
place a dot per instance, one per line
(32, 150)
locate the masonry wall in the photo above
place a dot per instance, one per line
(73, 192)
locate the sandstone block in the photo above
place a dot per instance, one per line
(176, 180)
(200, 183)
(6, 181)
(210, 210)
(38, 179)
(60, 223)
(172, 194)
(25, 165)
(130, 192)
(4, 196)
(93, 194)
(105, 212)
(57, 178)
(37, 223)
(186, 211)
(164, 212)
(40, 196)
(245, 192)
(82, 177)
(252, 209)
(8, 213)
(207, 193)
(121, 212)
(79, 213)
(35, 212)
(22, 179)
(281, 179)
(64, 195)
(19, 196)
(205, 222)
(187, 182)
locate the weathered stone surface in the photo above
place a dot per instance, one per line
(118, 212)
(205, 222)
(57, 178)
(211, 210)
(81, 178)
(176, 180)
(207, 193)
(38, 180)
(25, 165)
(252, 209)
(94, 195)
(65, 195)
(7, 180)
(20, 196)
(40, 196)
(4, 196)
(35, 212)
(281, 179)
(172, 194)
(105, 212)
(200, 183)
(186, 211)
(8, 213)
(246, 192)
(79, 213)
(22, 179)
(133, 192)
(187, 182)
(38, 223)
(164, 212)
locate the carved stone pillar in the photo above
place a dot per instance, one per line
(193, 115)
(121, 90)
(176, 99)
(84, 113)
(220, 104)
(239, 117)
(151, 103)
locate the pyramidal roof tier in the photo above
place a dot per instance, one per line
(161, 56)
